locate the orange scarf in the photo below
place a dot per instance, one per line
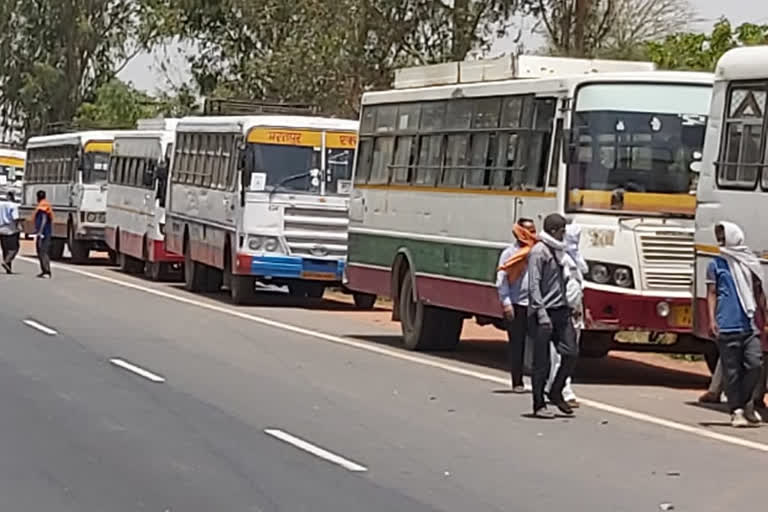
(515, 266)
(44, 206)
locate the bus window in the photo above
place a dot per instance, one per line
(742, 145)
(95, 167)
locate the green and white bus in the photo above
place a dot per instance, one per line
(443, 171)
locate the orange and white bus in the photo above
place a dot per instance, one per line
(11, 171)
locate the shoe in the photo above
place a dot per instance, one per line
(738, 420)
(544, 414)
(561, 404)
(573, 403)
(751, 415)
(44, 275)
(519, 390)
(709, 398)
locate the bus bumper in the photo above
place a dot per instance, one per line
(626, 312)
(290, 267)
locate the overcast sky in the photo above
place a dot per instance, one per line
(144, 70)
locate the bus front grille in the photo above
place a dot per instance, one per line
(316, 232)
(667, 259)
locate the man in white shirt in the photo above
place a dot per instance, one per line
(9, 231)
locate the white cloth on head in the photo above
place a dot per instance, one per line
(572, 240)
(557, 246)
(744, 266)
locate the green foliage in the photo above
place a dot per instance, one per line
(320, 52)
(700, 52)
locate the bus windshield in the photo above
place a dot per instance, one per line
(636, 138)
(288, 168)
(95, 167)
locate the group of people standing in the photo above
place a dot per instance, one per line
(540, 284)
(10, 232)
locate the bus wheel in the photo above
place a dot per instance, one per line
(154, 270)
(595, 344)
(128, 264)
(77, 248)
(194, 273)
(304, 289)
(57, 248)
(364, 300)
(112, 257)
(242, 289)
(426, 327)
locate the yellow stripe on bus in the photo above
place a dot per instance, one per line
(10, 161)
(98, 147)
(636, 201)
(449, 190)
(307, 138)
(285, 137)
(341, 140)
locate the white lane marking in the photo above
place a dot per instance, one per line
(315, 450)
(418, 359)
(40, 327)
(138, 371)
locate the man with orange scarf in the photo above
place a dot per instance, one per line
(44, 231)
(512, 285)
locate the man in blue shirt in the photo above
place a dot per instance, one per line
(512, 286)
(734, 292)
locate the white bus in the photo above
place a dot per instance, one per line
(72, 169)
(138, 178)
(261, 198)
(444, 171)
(733, 183)
(11, 171)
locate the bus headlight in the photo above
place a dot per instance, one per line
(103, 217)
(271, 245)
(606, 273)
(90, 217)
(254, 243)
(622, 276)
(599, 273)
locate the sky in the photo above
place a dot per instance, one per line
(144, 70)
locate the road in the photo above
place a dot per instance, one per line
(123, 395)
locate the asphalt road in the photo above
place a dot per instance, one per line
(209, 423)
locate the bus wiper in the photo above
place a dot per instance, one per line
(314, 173)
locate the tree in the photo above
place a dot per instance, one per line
(700, 51)
(609, 28)
(54, 55)
(325, 53)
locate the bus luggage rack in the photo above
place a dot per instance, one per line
(233, 107)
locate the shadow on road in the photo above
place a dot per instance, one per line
(611, 370)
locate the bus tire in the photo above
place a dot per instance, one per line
(154, 270)
(129, 264)
(78, 249)
(214, 278)
(364, 301)
(194, 273)
(242, 289)
(307, 290)
(427, 327)
(595, 344)
(57, 248)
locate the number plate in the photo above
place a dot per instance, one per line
(319, 276)
(681, 316)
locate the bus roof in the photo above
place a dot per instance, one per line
(13, 153)
(747, 63)
(142, 143)
(533, 86)
(71, 139)
(157, 124)
(245, 124)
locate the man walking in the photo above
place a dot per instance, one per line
(512, 285)
(44, 231)
(735, 285)
(550, 316)
(9, 231)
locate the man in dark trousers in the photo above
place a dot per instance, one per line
(9, 231)
(549, 316)
(44, 231)
(512, 286)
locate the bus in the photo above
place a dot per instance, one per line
(72, 170)
(733, 182)
(11, 172)
(443, 171)
(261, 198)
(135, 228)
